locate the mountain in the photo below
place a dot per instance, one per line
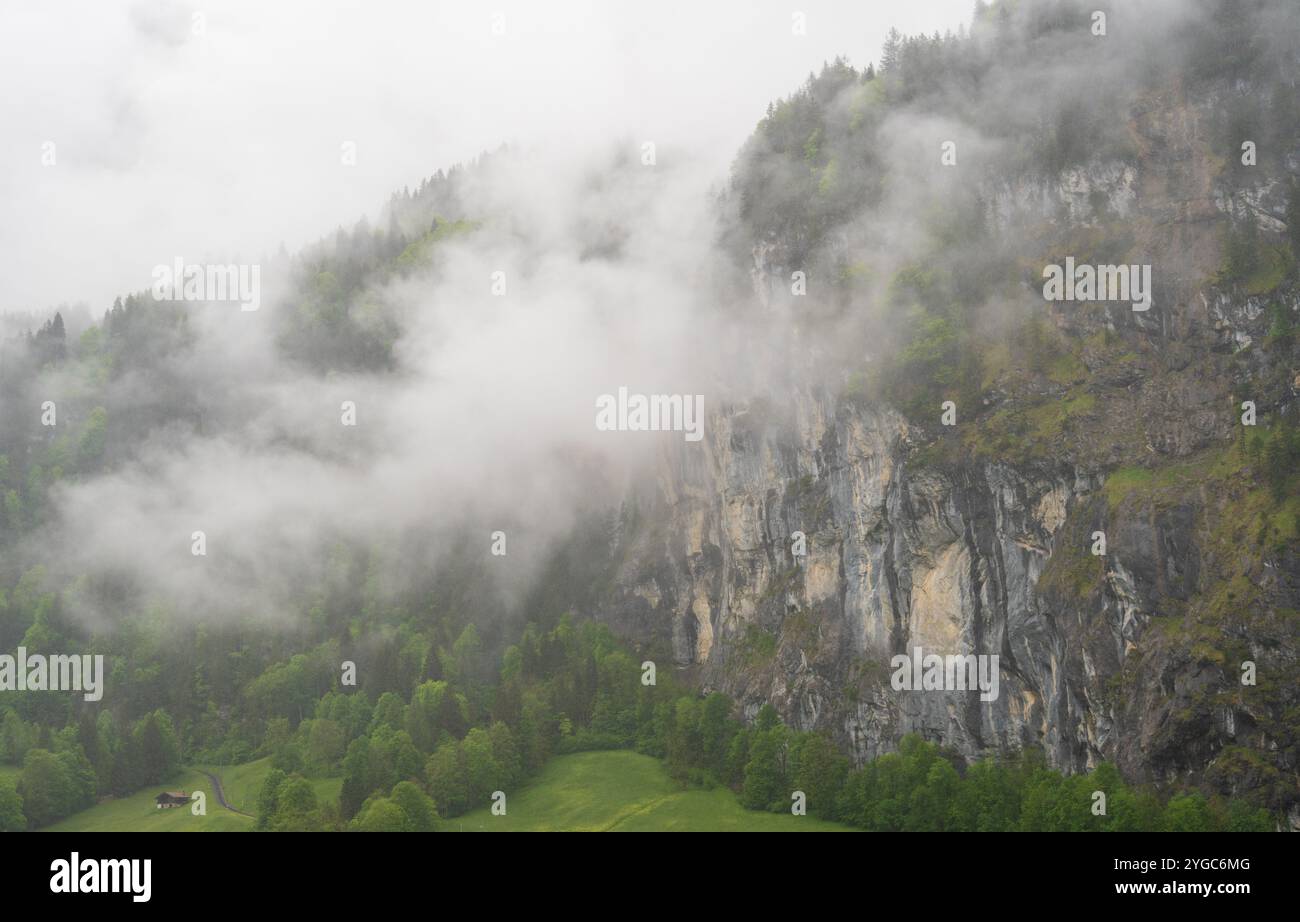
(994, 345)
(1073, 419)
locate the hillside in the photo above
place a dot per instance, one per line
(139, 813)
(1070, 420)
(625, 792)
(365, 549)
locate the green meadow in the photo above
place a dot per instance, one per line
(622, 791)
(242, 783)
(139, 813)
(618, 791)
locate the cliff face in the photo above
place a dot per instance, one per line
(978, 538)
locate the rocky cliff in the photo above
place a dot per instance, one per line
(979, 537)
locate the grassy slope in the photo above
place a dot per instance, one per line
(626, 792)
(242, 783)
(591, 791)
(138, 813)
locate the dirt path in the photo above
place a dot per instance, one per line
(221, 795)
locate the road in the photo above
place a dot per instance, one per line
(221, 795)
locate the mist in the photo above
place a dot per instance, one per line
(226, 144)
(591, 264)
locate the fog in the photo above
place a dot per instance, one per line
(225, 144)
(222, 145)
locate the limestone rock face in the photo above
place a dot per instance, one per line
(894, 560)
(976, 560)
(1132, 657)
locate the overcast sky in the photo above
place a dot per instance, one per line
(223, 144)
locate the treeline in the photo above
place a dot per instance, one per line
(411, 764)
(336, 319)
(925, 788)
(920, 788)
(458, 739)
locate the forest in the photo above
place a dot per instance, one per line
(426, 682)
